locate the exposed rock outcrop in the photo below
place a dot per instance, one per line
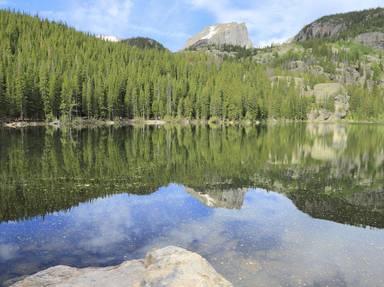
(320, 30)
(170, 266)
(231, 34)
(330, 94)
(373, 39)
(344, 25)
(319, 115)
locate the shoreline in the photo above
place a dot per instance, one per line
(79, 123)
(95, 123)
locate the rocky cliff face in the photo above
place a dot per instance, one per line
(372, 39)
(344, 26)
(336, 95)
(320, 30)
(231, 34)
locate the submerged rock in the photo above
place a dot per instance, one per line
(170, 266)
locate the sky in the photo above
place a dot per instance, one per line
(172, 22)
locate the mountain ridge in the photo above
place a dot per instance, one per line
(343, 25)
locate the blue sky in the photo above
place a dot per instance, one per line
(172, 22)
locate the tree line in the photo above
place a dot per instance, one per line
(48, 70)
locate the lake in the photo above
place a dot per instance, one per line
(283, 205)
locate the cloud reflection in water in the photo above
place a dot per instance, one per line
(268, 242)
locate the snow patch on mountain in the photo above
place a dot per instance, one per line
(108, 38)
(212, 31)
(227, 34)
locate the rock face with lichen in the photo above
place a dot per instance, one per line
(366, 25)
(372, 39)
(336, 95)
(320, 30)
(170, 266)
(230, 34)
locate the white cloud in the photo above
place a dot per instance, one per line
(275, 20)
(96, 16)
(8, 251)
(173, 21)
(124, 18)
(102, 16)
(154, 31)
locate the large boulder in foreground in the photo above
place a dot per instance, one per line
(170, 266)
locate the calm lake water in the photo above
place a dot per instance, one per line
(287, 205)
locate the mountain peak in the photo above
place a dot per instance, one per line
(232, 34)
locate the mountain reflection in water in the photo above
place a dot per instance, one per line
(261, 204)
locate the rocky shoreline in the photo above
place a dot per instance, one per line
(170, 266)
(80, 123)
(184, 122)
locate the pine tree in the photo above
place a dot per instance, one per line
(3, 100)
(20, 96)
(44, 92)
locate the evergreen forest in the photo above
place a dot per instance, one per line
(50, 71)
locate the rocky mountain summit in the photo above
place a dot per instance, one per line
(170, 266)
(230, 34)
(365, 26)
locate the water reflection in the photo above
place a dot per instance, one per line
(268, 242)
(99, 197)
(44, 171)
(230, 199)
(330, 141)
